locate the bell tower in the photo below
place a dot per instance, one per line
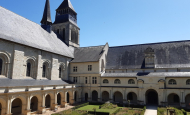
(66, 24)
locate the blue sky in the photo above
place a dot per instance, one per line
(118, 22)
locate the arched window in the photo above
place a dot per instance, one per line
(44, 71)
(1, 66)
(131, 81)
(172, 82)
(105, 81)
(188, 82)
(117, 81)
(28, 70)
(60, 72)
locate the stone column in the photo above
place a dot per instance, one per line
(63, 100)
(100, 95)
(125, 97)
(9, 104)
(89, 95)
(27, 105)
(111, 96)
(42, 107)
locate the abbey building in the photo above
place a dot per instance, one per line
(43, 67)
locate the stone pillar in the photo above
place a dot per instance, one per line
(54, 104)
(182, 99)
(9, 105)
(100, 95)
(27, 105)
(42, 107)
(125, 97)
(111, 96)
(89, 95)
(72, 98)
(63, 100)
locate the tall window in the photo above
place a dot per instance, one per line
(89, 67)
(131, 81)
(44, 71)
(75, 69)
(28, 70)
(172, 82)
(86, 80)
(60, 72)
(1, 66)
(117, 81)
(75, 79)
(188, 82)
(94, 80)
(58, 31)
(63, 34)
(105, 81)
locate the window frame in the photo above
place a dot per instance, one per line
(86, 80)
(172, 82)
(188, 82)
(28, 70)
(94, 80)
(75, 68)
(89, 67)
(75, 79)
(1, 66)
(117, 81)
(105, 81)
(131, 81)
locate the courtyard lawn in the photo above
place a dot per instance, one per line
(90, 108)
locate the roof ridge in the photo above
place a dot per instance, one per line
(19, 15)
(91, 46)
(150, 43)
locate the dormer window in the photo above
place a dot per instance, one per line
(149, 58)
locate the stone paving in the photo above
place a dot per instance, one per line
(151, 110)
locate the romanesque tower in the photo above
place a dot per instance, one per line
(65, 24)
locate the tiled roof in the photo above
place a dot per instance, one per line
(88, 54)
(167, 55)
(23, 31)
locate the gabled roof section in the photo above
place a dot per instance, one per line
(66, 4)
(167, 55)
(88, 54)
(23, 31)
(47, 15)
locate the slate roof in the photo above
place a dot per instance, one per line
(23, 31)
(88, 54)
(148, 74)
(66, 4)
(167, 55)
(47, 15)
(5, 82)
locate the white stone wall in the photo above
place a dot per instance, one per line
(19, 55)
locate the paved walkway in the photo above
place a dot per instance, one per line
(151, 110)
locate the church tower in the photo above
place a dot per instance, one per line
(66, 24)
(46, 19)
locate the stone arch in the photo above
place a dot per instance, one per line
(45, 69)
(34, 104)
(59, 99)
(173, 99)
(30, 67)
(61, 70)
(132, 97)
(151, 97)
(102, 66)
(5, 60)
(94, 95)
(187, 100)
(68, 97)
(86, 96)
(118, 97)
(48, 101)
(17, 107)
(105, 96)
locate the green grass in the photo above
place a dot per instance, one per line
(90, 108)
